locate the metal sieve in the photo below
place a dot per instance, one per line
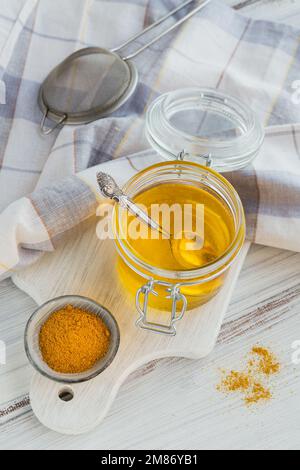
(94, 82)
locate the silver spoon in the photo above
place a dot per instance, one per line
(178, 246)
(109, 189)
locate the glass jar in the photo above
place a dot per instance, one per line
(194, 130)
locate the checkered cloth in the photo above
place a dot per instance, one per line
(44, 188)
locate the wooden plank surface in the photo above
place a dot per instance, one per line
(178, 397)
(173, 403)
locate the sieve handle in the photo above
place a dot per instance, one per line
(48, 130)
(167, 31)
(152, 26)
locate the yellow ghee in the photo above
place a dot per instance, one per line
(219, 232)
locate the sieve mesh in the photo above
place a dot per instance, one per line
(90, 81)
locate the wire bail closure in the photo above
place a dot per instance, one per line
(207, 157)
(142, 307)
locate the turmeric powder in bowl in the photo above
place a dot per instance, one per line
(73, 340)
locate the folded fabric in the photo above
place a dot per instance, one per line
(256, 61)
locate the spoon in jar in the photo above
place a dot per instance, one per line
(180, 245)
(109, 189)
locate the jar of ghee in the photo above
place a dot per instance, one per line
(197, 133)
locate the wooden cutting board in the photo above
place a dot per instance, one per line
(85, 265)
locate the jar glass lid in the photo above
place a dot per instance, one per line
(204, 124)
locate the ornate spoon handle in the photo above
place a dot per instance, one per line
(109, 189)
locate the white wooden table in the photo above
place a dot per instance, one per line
(172, 403)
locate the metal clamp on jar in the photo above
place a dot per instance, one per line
(197, 132)
(174, 294)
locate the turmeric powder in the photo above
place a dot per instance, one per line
(252, 382)
(257, 393)
(235, 381)
(72, 340)
(268, 363)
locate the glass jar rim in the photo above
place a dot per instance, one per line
(213, 269)
(169, 139)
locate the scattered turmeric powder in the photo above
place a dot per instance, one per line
(258, 393)
(252, 382)
(235, 381)
(268, 363)
(72, 340)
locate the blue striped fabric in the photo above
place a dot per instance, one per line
(256, 61)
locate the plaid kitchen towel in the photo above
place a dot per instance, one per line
(47, 184)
